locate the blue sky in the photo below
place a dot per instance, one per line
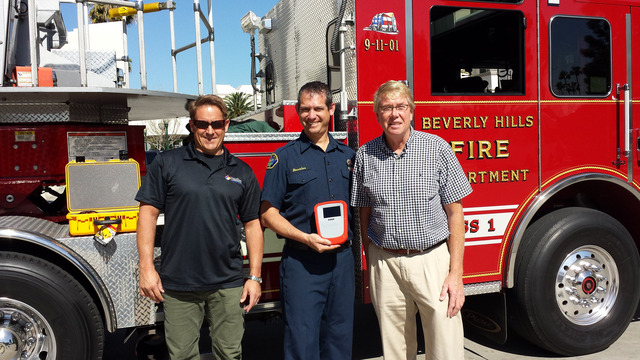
(231, 46)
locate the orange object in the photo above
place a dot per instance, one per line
(22, 76)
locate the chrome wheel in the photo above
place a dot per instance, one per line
(24, 332)
(587, 285)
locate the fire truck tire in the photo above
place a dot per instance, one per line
(577, 285)
(45, 312)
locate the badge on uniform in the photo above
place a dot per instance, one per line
(273, 160)
(349, 164)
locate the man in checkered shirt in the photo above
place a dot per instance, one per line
(409, 187)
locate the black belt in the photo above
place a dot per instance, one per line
(410, 251)
(300, 246)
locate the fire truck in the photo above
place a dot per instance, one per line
(535, 98)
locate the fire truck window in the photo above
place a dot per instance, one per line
(580, 57)
(476, 51)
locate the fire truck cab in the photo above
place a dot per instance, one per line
(536, 99)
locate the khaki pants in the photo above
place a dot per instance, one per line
(184, 314)
(402, 285)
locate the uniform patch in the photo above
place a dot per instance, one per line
(273, 161)
(349, 164)
(233, 179)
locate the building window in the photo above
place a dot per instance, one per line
(476, 51)
(580, 56)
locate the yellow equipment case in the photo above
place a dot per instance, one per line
(101, 197)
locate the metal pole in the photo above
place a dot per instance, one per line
(125, 57)
(143, 60)
(214, 88)
(33, 44)
(196, 12)
(81, 43)
(173, 53)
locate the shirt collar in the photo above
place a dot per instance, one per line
(305, 143)
(407, 146)
(192, 155)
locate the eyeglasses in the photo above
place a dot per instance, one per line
(389, 108)
(203, 125)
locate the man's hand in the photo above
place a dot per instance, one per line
(151, 285)
(250, 294)
(454, 287)
(319, 244)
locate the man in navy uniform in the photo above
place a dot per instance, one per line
(316, 278)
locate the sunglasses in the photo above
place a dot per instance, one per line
(203, 125)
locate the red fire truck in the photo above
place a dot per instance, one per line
(536, 100)
(534, 96)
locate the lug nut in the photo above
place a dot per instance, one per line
(15, 316)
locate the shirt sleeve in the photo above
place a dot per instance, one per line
(275, 181)
(153, 190)
(250, 206)
(454, 183)
(358, 196)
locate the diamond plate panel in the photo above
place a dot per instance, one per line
(100, 62)
(117, 265)
(297, 45)
(51, 112)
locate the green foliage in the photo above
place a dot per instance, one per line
(238, 104)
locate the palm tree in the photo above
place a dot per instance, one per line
(238, 103)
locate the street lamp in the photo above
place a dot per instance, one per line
(250, 23)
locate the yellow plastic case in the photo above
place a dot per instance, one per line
(102, 194)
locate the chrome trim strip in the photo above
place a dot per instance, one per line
(84, 267)
(482, 288)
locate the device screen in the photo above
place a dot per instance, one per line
(331, 211)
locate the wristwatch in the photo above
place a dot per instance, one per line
(255, 278)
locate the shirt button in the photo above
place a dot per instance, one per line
(333, 197)
(330, 180)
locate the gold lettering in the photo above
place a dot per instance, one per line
(501, 149)
(471, 150)
(529, 121)
(426, 123)
(457, 146)
(497, 176)
(484, 148)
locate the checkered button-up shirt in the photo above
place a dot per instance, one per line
(406, 192)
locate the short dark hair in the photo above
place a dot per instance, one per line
(316, 87)
(213, 100)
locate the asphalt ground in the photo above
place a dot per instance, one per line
(263, 340)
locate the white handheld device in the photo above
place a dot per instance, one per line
(331, 221)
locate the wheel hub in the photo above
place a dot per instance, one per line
(24, 333)
(587, 285)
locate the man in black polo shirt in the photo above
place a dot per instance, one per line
(206, 194)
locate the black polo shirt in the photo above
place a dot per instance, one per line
(204, 209)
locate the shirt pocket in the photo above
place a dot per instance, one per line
(427, 191)
(301, 185)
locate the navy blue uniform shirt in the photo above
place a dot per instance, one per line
(300, 175)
